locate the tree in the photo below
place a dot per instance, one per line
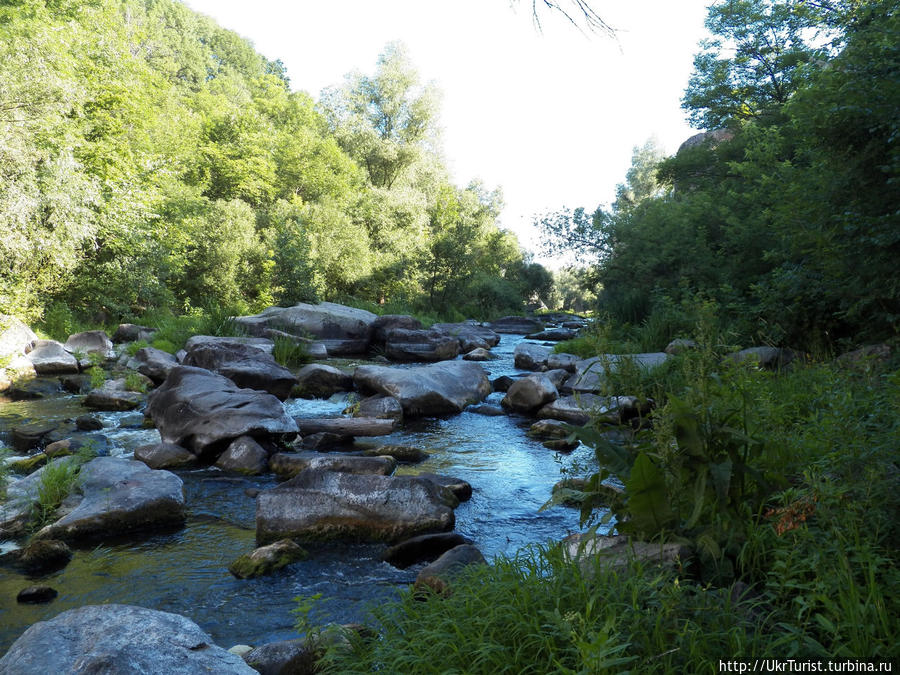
(640, 180)
(753, 63)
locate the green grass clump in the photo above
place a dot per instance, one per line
(290, 353)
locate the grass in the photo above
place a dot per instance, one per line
(58, 479)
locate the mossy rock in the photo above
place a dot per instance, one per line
(267, 559)
(29, 464)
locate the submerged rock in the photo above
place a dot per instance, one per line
(267, 559)
(119, 639)
(39, 557)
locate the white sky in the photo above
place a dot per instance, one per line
(550, 117)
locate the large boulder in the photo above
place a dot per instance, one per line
(516, 325)
(290, 464)
(386, 323)
(471, 335)
(590, 374)
(402, 344)
(554, 334)
(320, 381)
(119, 639)
(153, 363)
(343, 330)
(436, 389)
(245, 365)
(711, 139)
(424, 547)
(131, 332)
(529, 356)
(319, 504)
(581, 409)
(164, 456)
(245, 456)
(530, 393)
(562, 361)
(15, 340)
(119, 496)
(91, 342)
(379, 407)
(261, 343)
(203, 411)
(49, 357)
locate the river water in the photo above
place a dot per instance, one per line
(186, 571)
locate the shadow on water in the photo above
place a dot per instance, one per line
(186, 571)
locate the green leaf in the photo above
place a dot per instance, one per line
(649, 511)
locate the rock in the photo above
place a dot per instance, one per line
(28, 464)
(75, 384)
(152, 363)
(27, 437)
(262, 343)
(868, 355)
(768, 358)
(486, 410)
(286, 657)
(709, 138)
(113, 396)
(554, 335)
(379, 407)
(582, 409)
(424, 547)
(88, 423)
(517, 325)
(59, 448)
(91, 342)
(438, 575)
(16, 369)
(502, 383)
(245, 365)
(130, 332)
(50, 358)
(618, 551)
(240, 650)
(35, 595)
(561, 444)
(590, 374)
(436, 389)
(562, 362)
(343, 330)
(528, 356)
(16, 338)
(245, 456)
(119, 639)
(471, 335)
(402, 453)
(39, 557)
(202, 411)
(549, 429)
(346, 426)
(557, 376)
(679, 346)
(164, 456)
(386, 323)
(321, 381)
(325, 441)
(420, 345)
(267, 559)
(290, 464)
(31, 390)
(479, 354)
(119, 496)
(460, 488)
(530, 393)
(320, 505)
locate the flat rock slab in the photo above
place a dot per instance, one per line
(516, 325)
(320, 505)
(436, 389)
(50, 358)
(200, 411)
(113, 396)
(346, 426)
(290, 464)
(91, 342)
(402, 344)
(120, 496)
(261, 343)
(119, 639)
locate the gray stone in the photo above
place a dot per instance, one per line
(119, 639)
(164, 456)
(402, 453)
(245, 456)
(290, 464)
(420, 345)
(88, 423)
(201, 410)
(530, 393)
(379, 407)
(246, 365)
(50, 358)
(436, 389)
(317, 505)
(17, 369)
(470, 334)
(562, 361)
(27, 437)
(424, 547)
(325, 441)
(711, 139)
(321, 381)
(479, 354)
(460, 488)
(619, 551)
(487, 410)
(516, 325)
(679, 346)
(528, 356)
(502, 383)
(438, 575)
(113, 396)
(119, 496)
(34, 595)
(262, 343)
(554, 335)
(549, 429)
(152, 363)
(39, 557)
(346, 426)
(386, 323)
(16, 338)
(586, 407)
(286, 657)
(130, 332)
(769, 358)
(91, 342)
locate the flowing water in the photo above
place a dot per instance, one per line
(186, 571)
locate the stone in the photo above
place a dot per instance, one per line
(530, 393)
(561, 444)
(264, 344)
(245, 456)
(27, 437)
(164, 456)
(50, 358)
(379, 407)
(35, 595)
(711, 139)
(554, 335)
(618, 551)
(16, 338)
(679, 346)
(402, 453)
(487, 410)
(75, 384)
(91, 342)
(267, 559)
(470, 334)
(203, 411)
(386, 323)
(59, 448)
(152, 363)
(590, 374)
(285, 657)
(437, 576)
(460, 488)
(528, 356)
(768, 358)
(346, 426)
(319, 505)
(502, 383)
(290, 464)
(424, 547)
(33, 389)
(88, 423)
(436, 389)
(321, 381)
(557, 376)
(479, 354)
(118, 496)
(119, 639)
(113, 396)
(865, 356)
(343, 330)
(39, 557)
(562, 361)
(325, 441)
(549, 429)
(245, 365)
(516, 325)
(420, 345)
(579, 410)
(131, 332)
(17, 368)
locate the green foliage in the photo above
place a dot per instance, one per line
(57, 481)
(289, 352)
(97, 375)
(135, 382)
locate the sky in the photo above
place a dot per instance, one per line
(550, 116)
